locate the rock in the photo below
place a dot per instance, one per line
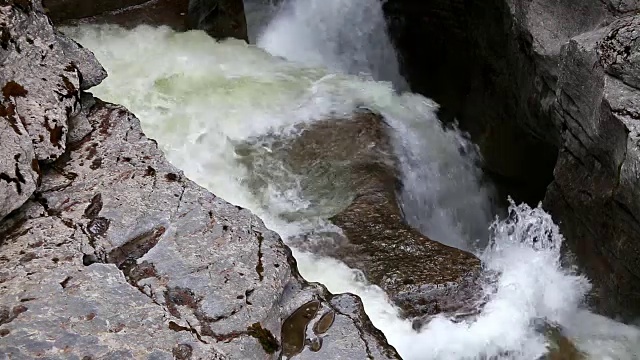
(60, 10)
(170, 13)
(117, 254)
(560, 346)
(595, 192)
(349, 162)
(40, 76)
(19, 171)
(120, 255)
(549, 90)
(219, 18)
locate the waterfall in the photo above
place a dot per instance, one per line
(199, 98)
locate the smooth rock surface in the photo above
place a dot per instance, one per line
(352, 161)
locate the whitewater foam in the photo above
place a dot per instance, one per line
(199, 98)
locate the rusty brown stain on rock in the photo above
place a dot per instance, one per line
(178, 296)
(13, 89)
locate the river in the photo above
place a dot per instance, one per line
(313, 59)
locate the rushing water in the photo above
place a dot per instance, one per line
(200, 99)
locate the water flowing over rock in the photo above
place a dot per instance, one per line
(118, 255)
(545, 85)
(353, 158)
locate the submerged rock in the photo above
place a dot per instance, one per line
(118, 255)
(347, 171)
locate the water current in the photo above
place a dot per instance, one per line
(313, 59)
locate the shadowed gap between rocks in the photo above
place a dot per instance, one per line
(459, 53)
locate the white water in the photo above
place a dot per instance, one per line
(199, 98)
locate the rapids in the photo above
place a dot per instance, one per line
(314, 58)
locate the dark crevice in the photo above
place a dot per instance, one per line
(484, 77)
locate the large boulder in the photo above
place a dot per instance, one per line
(118, 255)
(347, 171)
(549, 90)
(40, 80)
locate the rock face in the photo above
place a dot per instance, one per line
(596, 192)
(40, 79)
(219, 18)
(549, 89)
(118, 255)
(60, 10)
(353, 159)
(129, 14)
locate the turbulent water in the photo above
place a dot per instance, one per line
(314, 59)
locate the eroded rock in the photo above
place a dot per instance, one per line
(595, 192)
(117, 254)
(130, 14)
(347, 171)
(123, 255)
(40, 76)
(549, 91)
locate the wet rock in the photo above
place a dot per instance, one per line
(595, 192)
(549, 90)
(560, 346)
(40, 74)
(60, 10)
(219, 18)
(170, 13)
(346, 170)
